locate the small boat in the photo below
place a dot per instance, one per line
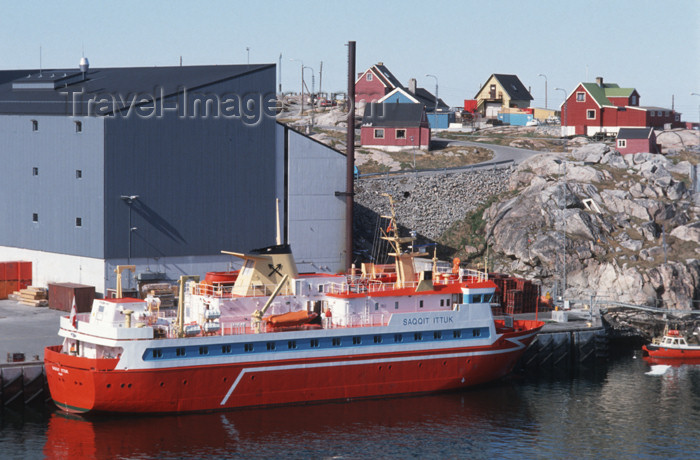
(673, 346)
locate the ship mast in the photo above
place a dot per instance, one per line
(405, 269)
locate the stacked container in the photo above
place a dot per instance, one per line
(14, 276)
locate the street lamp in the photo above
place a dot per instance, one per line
(313, 106)
(436, 98)
(301, 112)
(129, 200)
(247, 50)
(545, 89)
(697, 94)
(566, 113)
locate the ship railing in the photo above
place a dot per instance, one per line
(226, 290)
(365, 320)
(234, 328)
(471, 275)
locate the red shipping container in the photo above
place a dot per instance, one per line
(12, 271)
(61, 296)
(3, 291)
(2, 271)
(25, 271)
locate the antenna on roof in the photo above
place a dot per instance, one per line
(39, 59)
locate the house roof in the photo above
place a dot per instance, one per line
(427, 98)
(388, 76)
(50, 92)
(601, 94)
(393, 115)
(511, 84)
(635, 133)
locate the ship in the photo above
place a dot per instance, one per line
(267, 335)
(672, 348)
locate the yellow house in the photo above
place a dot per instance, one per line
(500, 92)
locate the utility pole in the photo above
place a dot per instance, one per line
(280, 73)
(320, 79)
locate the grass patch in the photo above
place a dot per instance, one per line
(444, 158)
(467, 232)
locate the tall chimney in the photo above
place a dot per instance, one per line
(412, 86)
(599, 81)
(350, 157)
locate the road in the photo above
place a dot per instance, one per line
(500, 152)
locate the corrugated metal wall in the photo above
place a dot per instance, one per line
(205, 183)
(55, 173)
(316, 216)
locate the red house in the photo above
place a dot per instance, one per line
(395, 126)
(375, 83)
(636, 140)
(593, 108)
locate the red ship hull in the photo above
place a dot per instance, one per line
(84, 385)
(661, 352)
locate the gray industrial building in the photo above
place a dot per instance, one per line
(160, 167)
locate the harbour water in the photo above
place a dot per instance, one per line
(614, 410)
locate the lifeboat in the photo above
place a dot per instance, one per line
(291, 319)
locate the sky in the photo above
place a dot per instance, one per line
(652, 46)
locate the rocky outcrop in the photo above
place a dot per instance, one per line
(625, 228)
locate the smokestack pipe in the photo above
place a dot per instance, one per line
(350, 154)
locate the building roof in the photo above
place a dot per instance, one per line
(635, 133)
(427, 98)
(512, 85)
(393, 115)
(601, 93)
(65, 92)
(387, 75)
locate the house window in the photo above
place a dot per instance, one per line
(581, 96)
(590, 114)
(35, 171)
(78, 221)
(78, 173)
(379, 133)
(35, 125)
(621, 143)
(678, 117)
(401, 134)
(633, 100)
(369, 77)
(78, 126)
(35, 217)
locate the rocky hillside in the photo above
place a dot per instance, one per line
(631, 226)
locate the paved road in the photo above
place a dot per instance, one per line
(501, 152)
(25, 329)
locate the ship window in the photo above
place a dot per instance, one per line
(356, 340)
(476, 332)
(442, 302)
(292, 344)
(437, 335)
(78, 126)
(420, 304)
(448, 302)
(35, 171)
(225, 349)
(78, 221)
(270, 346)
(376, 306)
(477, 298)
(377, 339)
(417, 336)
(398, 338)
(247, 347)
(35, 217)
(457, 334)
(313, 343)
(336, 341)
(203, 350)
(320, 288)
(78, 174)
(396, 305)
(157, 353)
(179, 352)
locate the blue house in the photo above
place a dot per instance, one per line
(439, 119)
